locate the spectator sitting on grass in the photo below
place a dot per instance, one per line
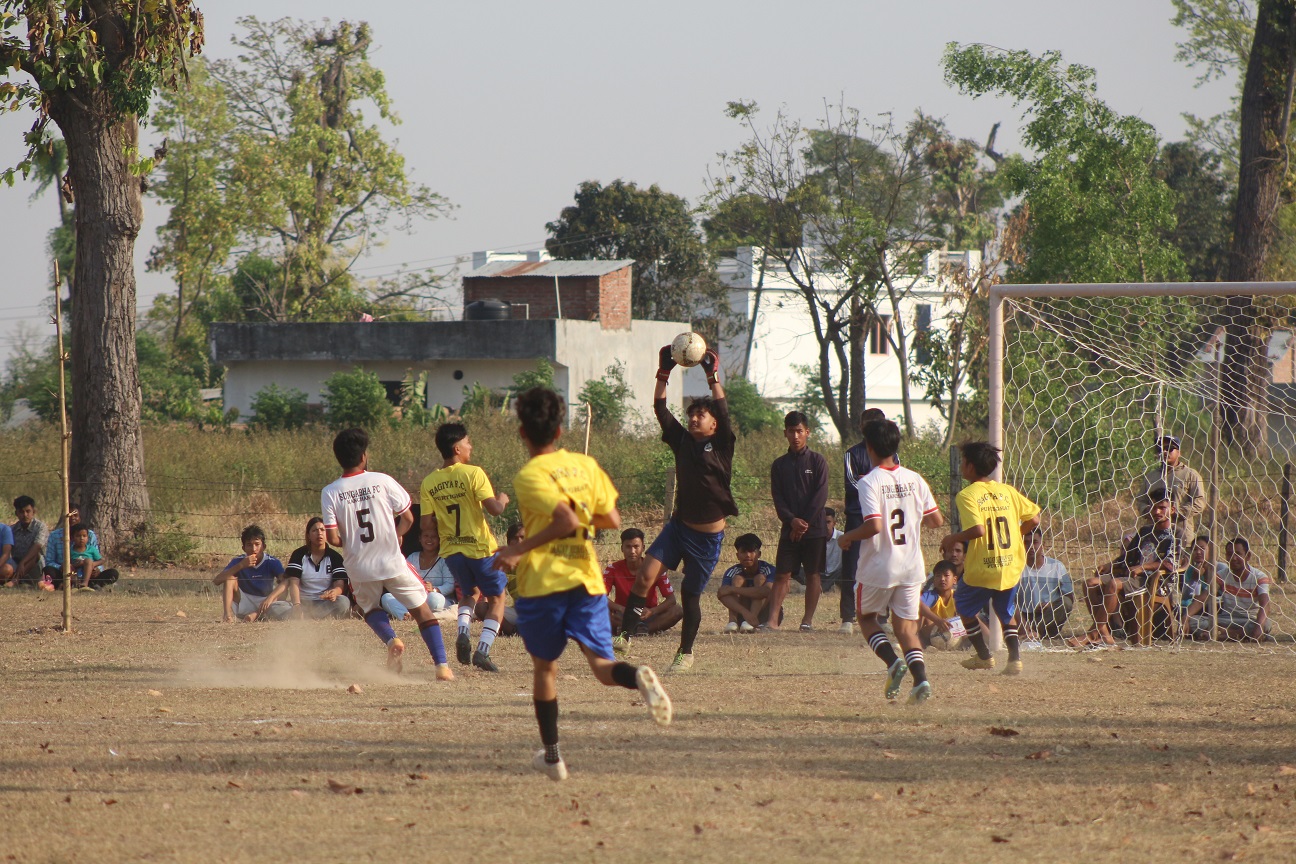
(6, 555)
(1046, 596)
(30, 538)
(87, 562)
(1194, 578)
(660, 611)
(252, 583)
(745, 587)
(432, 568)
(54, 547)
(941, 626)
(1243, 593)
(316, 576)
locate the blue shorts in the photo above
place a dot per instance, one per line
(970, 601)
(546, 623)
(699, 551)
(470, 573)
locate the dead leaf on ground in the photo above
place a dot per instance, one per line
(342, 788)
(1003, 731)
(164, 710)
(1286, 769)
(765, 803)
(420, 776)
(355, 688)
(108, 802)
(180, 613)
(877, 796)
(155, 692)
(995, 838)
(234, 785)
(1161, 787)
(1040, 754)
(889, 755)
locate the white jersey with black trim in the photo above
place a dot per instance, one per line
(363, 507)
(893, 556)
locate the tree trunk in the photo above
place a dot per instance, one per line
(1262, 168)
(857, 333)
(107, 470)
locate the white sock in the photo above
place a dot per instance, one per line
(490, 629)
(465, 618)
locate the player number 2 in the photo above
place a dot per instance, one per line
(366, 527)
(998, 526)
(897, 527)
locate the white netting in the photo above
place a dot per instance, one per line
(1092, 384)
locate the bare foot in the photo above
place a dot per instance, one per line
(395, 651)
(45, 586)
(249, 618)
(227, 619)
(444, 673)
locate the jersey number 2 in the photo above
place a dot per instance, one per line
(897, 527)
(366, 527)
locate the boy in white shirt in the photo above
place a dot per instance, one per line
(896, 504)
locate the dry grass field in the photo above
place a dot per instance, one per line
(148, 736)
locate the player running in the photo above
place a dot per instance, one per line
(454, 499)
(563, 498)
(695, 532)
(365, 513)
(998, 516)
(896, 504)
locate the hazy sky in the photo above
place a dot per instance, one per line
(508, 106)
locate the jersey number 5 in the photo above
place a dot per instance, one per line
(897, 527)
(366, 527)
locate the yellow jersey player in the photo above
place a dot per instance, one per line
(996, 516)
(564, 497)
(455, 499)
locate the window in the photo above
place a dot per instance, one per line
(878, 343)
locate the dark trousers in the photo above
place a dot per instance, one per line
(850, 558)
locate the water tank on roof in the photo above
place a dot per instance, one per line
(488, 310)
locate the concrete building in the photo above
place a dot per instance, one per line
(593, 332)
(772, 311)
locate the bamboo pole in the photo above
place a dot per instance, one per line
(67, 437)
(1213, 492)
(589, 421)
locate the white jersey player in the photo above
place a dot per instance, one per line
(365, 513)
(896, 504)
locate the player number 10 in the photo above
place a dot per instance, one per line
(1000, 525)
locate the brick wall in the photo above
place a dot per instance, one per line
(585, 298)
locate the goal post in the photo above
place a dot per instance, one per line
(1083, 379)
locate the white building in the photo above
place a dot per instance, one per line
(783, 337)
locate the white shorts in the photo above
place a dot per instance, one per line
(902, 600)
(406, 588)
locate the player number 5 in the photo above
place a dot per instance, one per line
(366, 527)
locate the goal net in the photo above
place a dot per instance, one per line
(1098, 392)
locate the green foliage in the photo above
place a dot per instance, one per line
(541, 376)
(750, 411)
(356, 398)
(167, 542)
(1097, 211)
(1203, 227)
(808, 398)
(75, 48)
(673, 276)
(275, 408)
(273, 153)
(169, 391)
(479, 399)
(607, 397)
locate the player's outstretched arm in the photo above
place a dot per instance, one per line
(495, 506)
(665, 363)
(965, 536)
(710, 364)
(610, 520)
(564, 522)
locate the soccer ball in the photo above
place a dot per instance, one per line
(688, 348)
(941, 641)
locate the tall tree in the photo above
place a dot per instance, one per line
(1203, 208)
(673, 276)
(1218, 43)
(861, 194)
(91, 66)
(1264, 160)
(275, 159)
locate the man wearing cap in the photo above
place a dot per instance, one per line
(1173, 479)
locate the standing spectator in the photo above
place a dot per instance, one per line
(1173, 480)
(745, 587)
(252, 583)
(433, 570)
(661, 612)
(87, 561)
(799, 484)
(316, 576)
(30, 539)
(1045, 595)
(857, 465)
(1243, 593)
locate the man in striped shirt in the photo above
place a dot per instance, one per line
(1243, 598)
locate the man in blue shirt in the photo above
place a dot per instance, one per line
(252, 583)
(745, 587)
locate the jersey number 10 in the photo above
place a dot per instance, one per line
(998, 524)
